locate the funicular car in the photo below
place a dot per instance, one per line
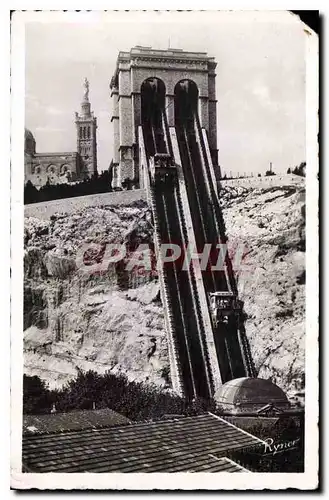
(162, 167)
(224, 304)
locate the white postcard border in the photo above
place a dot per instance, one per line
(186, 481)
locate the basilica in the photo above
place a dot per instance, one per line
(65, 167)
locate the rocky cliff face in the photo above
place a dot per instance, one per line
(271, 223)
(78, 316)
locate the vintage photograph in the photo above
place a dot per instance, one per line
(167, 180)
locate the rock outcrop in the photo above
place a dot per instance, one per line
(78, 316)
(270, 221)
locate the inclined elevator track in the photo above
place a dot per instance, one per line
(184, 315)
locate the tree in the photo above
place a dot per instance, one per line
(136, 400)
(135, 182)
(289, 171)
(36, 396)
(300, 170)
(127, 183)
(30, 193)
(98, 183)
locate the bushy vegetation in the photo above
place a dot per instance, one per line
(298, 170)
(268, 173)
(96, 184)
(279, 429)
(36, 395)
(130, 183)
(135, 400)
(287, 434)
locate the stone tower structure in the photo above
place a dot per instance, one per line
(170, 67)
(86, 124)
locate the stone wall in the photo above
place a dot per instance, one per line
(46, 209)
(271, 180)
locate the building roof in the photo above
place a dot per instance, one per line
(170, 52)
(189, 444)
(74, 420)
(61, 153)
(139, 53)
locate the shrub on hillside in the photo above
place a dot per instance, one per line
(129, 184)
(285, 432)
(36, 395)
(300, 170)
(135, 400)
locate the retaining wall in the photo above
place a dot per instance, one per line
(46, 209)
(259, 182)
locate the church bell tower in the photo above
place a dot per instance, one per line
(86, 124)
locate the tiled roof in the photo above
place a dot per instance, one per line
(74, 420)
(190, 444)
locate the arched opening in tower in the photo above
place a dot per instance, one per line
(153, 93)
(204, 223)
(186, 104)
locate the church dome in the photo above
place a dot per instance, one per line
(29, 142)
(246, 394)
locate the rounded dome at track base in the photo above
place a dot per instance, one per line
(251, 396)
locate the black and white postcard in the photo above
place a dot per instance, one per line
(164, 242)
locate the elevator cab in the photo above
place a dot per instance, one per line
(224, 305)
(162, 168)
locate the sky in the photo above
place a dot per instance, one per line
(260, 83)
